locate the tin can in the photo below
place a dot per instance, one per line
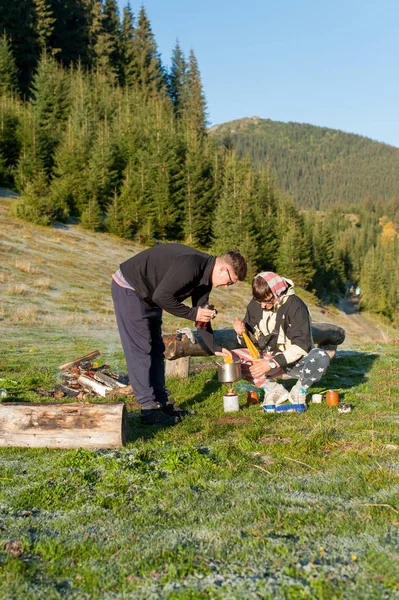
(332, 398)
(252, 397)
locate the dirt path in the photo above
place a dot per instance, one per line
(358, 325)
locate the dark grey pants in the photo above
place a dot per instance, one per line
(310, 368)
(140, 330)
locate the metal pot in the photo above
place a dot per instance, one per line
(229, 372)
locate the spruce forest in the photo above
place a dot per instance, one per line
(94, 128)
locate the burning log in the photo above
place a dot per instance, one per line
(75, 363)
(325, 335)
(94, 386)
(76, 425)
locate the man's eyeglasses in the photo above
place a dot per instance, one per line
(230, 282)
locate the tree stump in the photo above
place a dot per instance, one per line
(178, 368)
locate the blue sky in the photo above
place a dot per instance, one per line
(333, 64)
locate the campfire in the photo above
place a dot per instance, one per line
(84, 377)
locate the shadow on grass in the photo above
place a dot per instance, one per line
(137, 431)
(348, 370)
(211, 386)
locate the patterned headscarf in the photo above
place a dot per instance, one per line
(278, 285)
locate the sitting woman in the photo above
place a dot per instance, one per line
(278, 322)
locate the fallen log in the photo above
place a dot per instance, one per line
(324, 334)
(70, 425)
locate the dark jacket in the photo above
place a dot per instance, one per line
(166, 274)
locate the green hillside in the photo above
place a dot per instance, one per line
(316, 165)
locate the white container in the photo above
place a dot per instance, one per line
(230, 403)
(317, 398)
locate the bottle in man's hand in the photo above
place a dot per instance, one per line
(203, 324)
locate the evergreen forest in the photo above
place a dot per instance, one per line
(96, 129)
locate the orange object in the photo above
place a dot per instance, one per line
(332, 398)
(252, 397)
(228, 360)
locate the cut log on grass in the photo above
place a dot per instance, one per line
(324, 334)
(77, 425)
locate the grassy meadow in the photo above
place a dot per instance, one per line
(294, 506)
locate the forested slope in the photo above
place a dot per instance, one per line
(318, 166)
(95, 129)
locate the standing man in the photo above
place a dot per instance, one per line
(157, 279)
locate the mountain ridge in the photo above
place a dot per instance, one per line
(318, 166)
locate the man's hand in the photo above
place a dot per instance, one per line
(225, 353)
(239, 326)
(205, 314)
(260, 367)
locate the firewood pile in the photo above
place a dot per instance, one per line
(84, 378)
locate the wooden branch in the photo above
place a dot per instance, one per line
(108, 381)
(324, 334)
(94, 386)
(74, 363)
(69, 425)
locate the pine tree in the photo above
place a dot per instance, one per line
(91, 216)
(10, 145)
(102, 173)
(233, 218)
(8, 69)
(127, 45)
(30, 163)
(115, 221)
(177, 80)
(44, 21)
(199, 204)
(51, 104)
(111, 27)
(126, 213)
(36, 203)
(265, 209)
(194, 102)
(294, 254)
(69, 40)
(17, 22)
(71, 157)
(145, 71)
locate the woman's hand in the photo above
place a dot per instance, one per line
(259, 367)
(239, 326)
(225, 353)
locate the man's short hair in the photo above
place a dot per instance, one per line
(236, 260)
(260, 288)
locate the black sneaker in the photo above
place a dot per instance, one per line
(171, 409)
(156, 416)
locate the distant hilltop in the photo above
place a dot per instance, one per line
(318, 166)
